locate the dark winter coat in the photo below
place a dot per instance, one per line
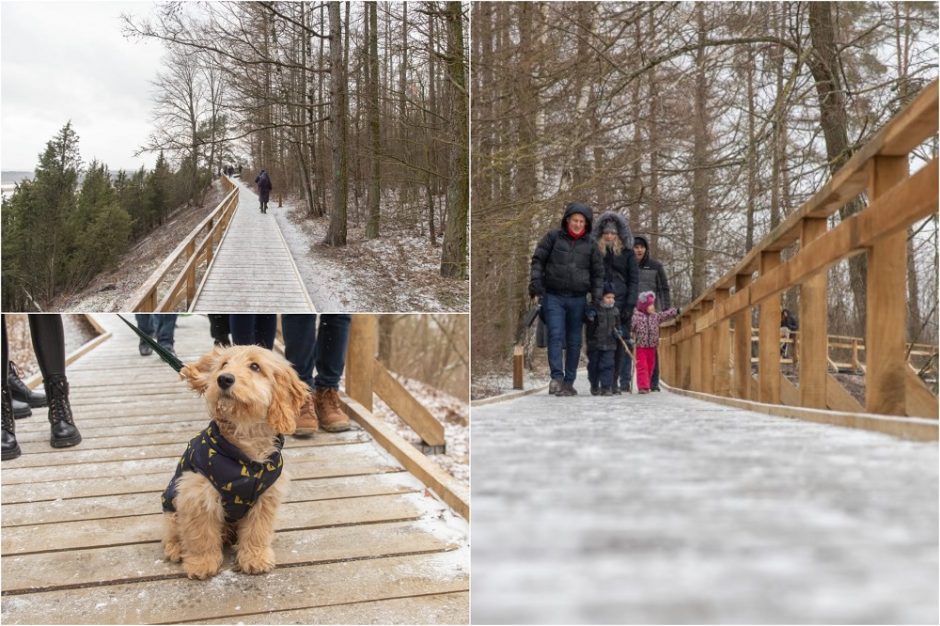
(601, 330)
(652, 277)
(789, 322)
(564, 266)
(646, 326)
(620, 270)
(264, 186)
(239, 480)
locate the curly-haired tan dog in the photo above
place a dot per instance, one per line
(226, 484)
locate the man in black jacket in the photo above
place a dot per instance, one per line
(652, 278)
(566, 266)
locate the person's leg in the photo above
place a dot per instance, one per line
(642, 373)
(593, 367)
(218, 328)
(144, 325)
(332, 342)
(9, 448)
(574, 325)
(253, 329)
(554, 314)
(654, 367)
(618, 366)
(606, 370)
(49, 344)
(626, 372)
(166, 329)
(300, 342)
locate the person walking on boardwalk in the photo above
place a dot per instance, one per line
(615, 241)
(788, 326)
(652, 277)
(603, 333)
(161, 326)
(566, 266)
(48, 338)
(264, 189)
(645, 326)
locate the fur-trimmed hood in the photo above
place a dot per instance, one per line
(623, 229)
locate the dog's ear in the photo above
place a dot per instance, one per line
(290, 393)
(197, 375)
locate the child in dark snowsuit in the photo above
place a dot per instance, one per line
(645, 325)
(603, 328)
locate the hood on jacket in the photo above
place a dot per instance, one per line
(578, 207)
(623, 229)
(643, 239)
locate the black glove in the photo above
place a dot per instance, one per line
(535, 290)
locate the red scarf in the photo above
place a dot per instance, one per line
(576, 236)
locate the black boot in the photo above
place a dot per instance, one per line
(64, 432)
(10, 448)
(20, 409)
(19, 390)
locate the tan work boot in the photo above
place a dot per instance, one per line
(307, 422)
(332, 418)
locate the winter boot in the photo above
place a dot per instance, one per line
(20, 409)
(144, 349)
(64, 432)
(307, 422)
(10, 448)
(595, 390)
(554, 387)
(567, 389)
(19, 390)
(330, 415)
(616, 389)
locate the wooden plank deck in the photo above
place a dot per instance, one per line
(359, 539)
(253, 269)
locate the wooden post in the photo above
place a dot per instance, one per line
(722, 385)
(696, 356)
(708, 351)
(742, 344)
(517, 363)
(769, 338)
(814, 331)
(360, 359)
(855, 363)
(887, 302)
(191, 273)
(280, 200)
(667, 358)
(685, 364)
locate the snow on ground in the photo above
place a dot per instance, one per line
(398, 272)
(448, 410)
(666, 509)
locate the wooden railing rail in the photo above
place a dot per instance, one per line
(198, 247)
(696, 353)
(365, 376)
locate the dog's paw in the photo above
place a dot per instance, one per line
(173, 551)
(202, 567)
(255, 562)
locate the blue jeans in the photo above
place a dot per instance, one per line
(161, 326)
(626, 366)
(253, 329)
(601, 368)
(303, 349)
(564, 318)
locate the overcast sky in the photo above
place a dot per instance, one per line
(63, 61)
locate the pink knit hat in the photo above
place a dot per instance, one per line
(645, 300)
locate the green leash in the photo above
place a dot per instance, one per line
(168, 357)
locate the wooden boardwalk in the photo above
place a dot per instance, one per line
(253, 269)
(667, 509)
(358, 541)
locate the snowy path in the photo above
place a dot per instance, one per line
(253, 269)
(662, 508)
(358, 539)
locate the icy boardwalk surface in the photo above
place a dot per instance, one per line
(357, 541)
(661, 508)
(253, 269)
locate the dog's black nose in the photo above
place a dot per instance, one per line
(226, 380)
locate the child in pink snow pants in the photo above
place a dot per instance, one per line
(645, 326)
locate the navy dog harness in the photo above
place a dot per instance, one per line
(239, 480)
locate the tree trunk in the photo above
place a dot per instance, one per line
(336, 236)
(700, 218)
(454, 252)
(375, 189)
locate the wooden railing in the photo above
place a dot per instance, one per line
(697, 353)
(365, 376)
(198, 248)
(853, 346)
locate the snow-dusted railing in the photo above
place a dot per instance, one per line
(365, 376)
(197, 248)
(697, 352)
